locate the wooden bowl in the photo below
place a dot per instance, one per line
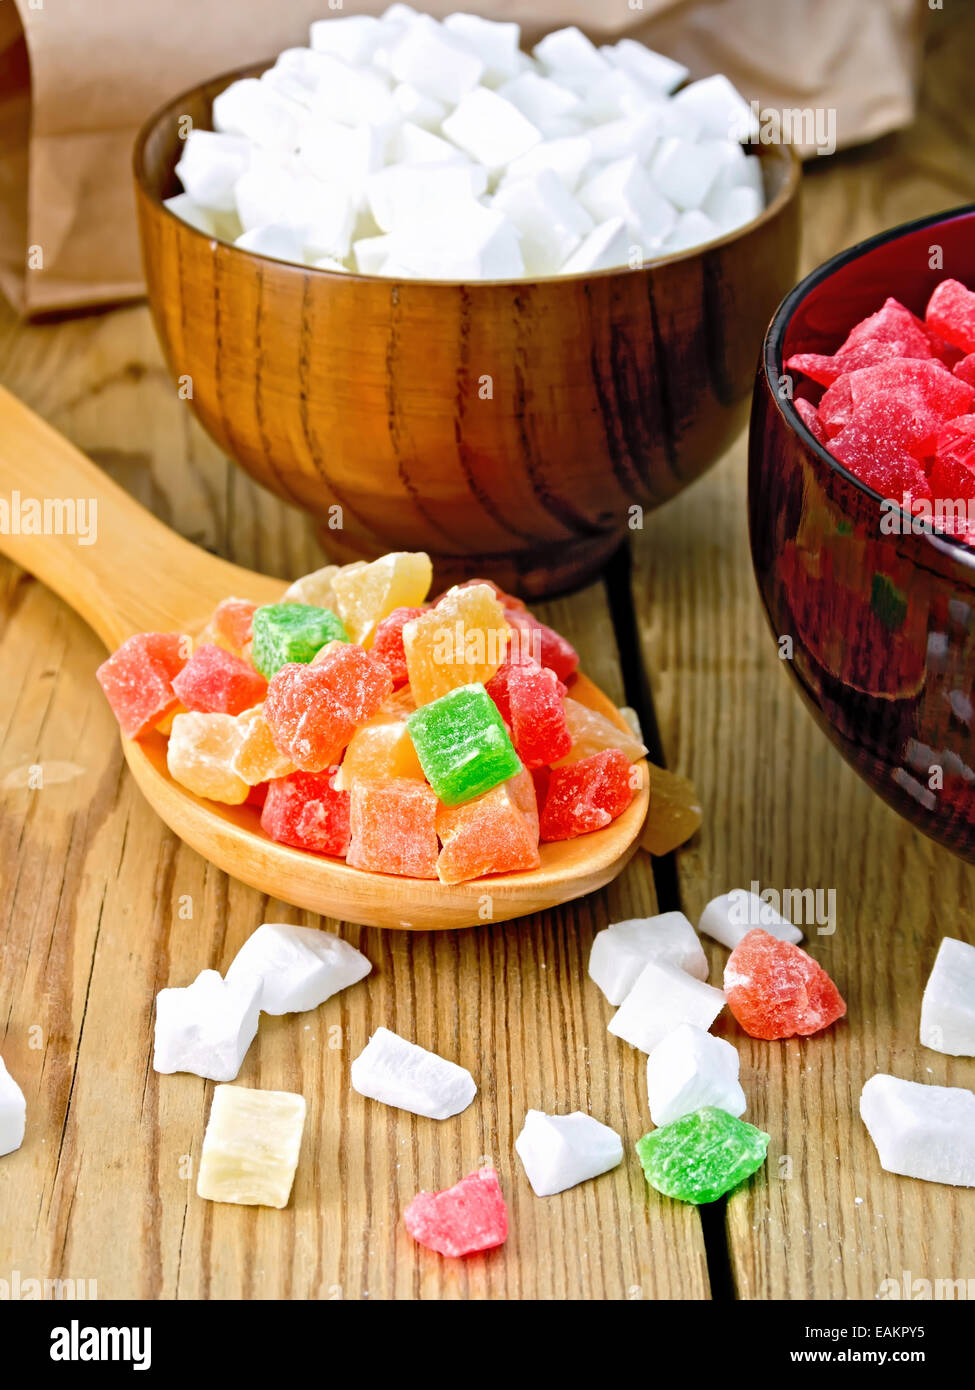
(507, 428)
(882, 625)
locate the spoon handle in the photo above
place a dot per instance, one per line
(120, 568)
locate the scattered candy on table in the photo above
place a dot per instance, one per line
(462, 1220)
(397, 1072)
(921, 1131)
(622, 949)
(207, 1027)
(701, 1156)
(251, 1146)
(561, 1151)
(13, 1113)
(948, 1005)
(299, 967)
(775, 990)
(690, 1069)
(729, 917)
(663, 996)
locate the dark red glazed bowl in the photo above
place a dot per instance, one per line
(882, 626)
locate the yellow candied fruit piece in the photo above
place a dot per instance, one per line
(366, 595)
(591, 732)
(675, 812)
(251, 1146)
(378, 751)
(462, 641)
(200, 757)
(256, 759)
(315, 589)
(165, 725)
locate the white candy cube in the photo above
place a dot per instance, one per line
(436, 62)
(560, 1151)
(722, 112)
(323, 216)
(622, 189)
(13, 1112)
(642, 62)
(691, 229)
(618, 94)
(620, 952)
(413, 105)
(948, 1006)
(921, 1131)
(251, 1146)
(254, 110)
(731, 916)
(276, 240)
(495, 41)
(662, 997)
(398, 1073)
(183, 207)
(738, 169)
(329, 263)
(565, 158)
(343, 153)
(539, 98)
(732, 208)
(209, 167)
(684, 172)
(353, 38)
(468, 242)
(606, 247)
(207, 1027)
(300, 967)
(689, 1069)
(352, 96)
(490, 129)
(405, 193)
(549, 220)
(371, 253)
(569, 51)
(264, 192)
(630, 135)
(411, 144)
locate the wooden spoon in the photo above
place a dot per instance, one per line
(139, 576)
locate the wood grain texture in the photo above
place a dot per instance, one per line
(502, 427)
(781, 807)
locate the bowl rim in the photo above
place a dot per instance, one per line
(781, 150)
(772, 369)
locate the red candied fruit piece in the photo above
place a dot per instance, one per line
(217, 682)
(891, 472)
(257, 794)
(952, 482)
(897, 421)
(304, 810)
(586, 795)
(951, 314)
(775, 990)
(529, 699)
(233, 620)
(138, 680)
(836, 406)
(965, 369)
(541, 644)
(387, 642)
(810, 418)
(314, 710)
(461, 1220)
(942, 391)
(957, 440)
(892, 333)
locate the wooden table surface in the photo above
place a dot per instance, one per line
(102, 906)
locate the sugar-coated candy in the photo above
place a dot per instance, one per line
(379, 751)
(622, 949)
(490, 835)
(305, 810)
(393, 828)
(701, 1156)
(921, 1131)
(892, 332)
(951, 314)
(561, 1151)
(365, 596)
(775, 990)
(662, 997)
(13, 1112)
(591, 732)
(200, 756)
(387, 642)
(948, 1005)
(537, 642)
(215, 681)
(251, 1146)
(529, 698)
(231, 625)
(299, 967)
(315, 589)
(461, 641)
(255, 758)
(314, 710)
(587, 795)
(399, 1073)
(292, 632)
(462, 1220)
(965, 369)
(956, 442)
(729, 917)
(207, 1027)
(138, 679)
(691, 1068)
(522, 790)
(674, 815)
(462, 744)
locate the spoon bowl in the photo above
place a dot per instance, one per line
(139, 576)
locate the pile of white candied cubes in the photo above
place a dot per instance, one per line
(407, 147)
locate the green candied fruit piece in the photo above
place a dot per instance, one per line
(701, 1156)
(462, 744)
(285, 632)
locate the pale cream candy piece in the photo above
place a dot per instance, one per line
(365, 596)
(251, 1146)
(490, 129)
(653, 68)
(731, 916)
(539, 99)
(315, 588)
(569, 51)
(921, 1131)
(566, 158)
(352, 96)
(662, 997)
(623, 189)
(183, 207)
(256, 111)
(438, 63)
(299, 967)
(404, 194)
(550, 221)
(732, 208)
(467, 242)
(496, 41)
(621, 950)
(561, 1151)
(329, 263)
(948, 1006)
(692, 228)
(207, 1027)
(200, 755)
(399, 1073)
(210, 166)
(353, 38)
(691, 1068)
(276, 239)
(372, 253)
(13, 1112)
(684, 171)
(414, 105)
(607, 247)
(255, 757)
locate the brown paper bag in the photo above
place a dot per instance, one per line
(78, 77)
